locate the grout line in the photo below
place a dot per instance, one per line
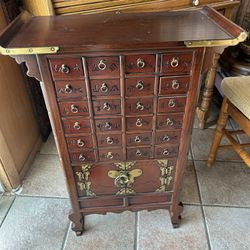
(227, 161)
(7, 211)
(136, 234)
(225, 206)
(66, 236)
(41, 196)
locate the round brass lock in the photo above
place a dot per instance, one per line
(108, 125)
(102, 65)
(104, 88)
(74, 109)
(68, 89)
(80, 143)
(82, 158)
(77, 126)
(140, 63)
(139, 122)
(139, 106)
(140, 85)
(110, 140)
(121, 180)
(106, 106)
(65, 69)
(175, 62)
(175, 84)
(171, 103)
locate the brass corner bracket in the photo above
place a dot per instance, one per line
(28, 51)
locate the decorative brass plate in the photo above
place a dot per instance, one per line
(28, 51)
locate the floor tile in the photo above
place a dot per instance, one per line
(228, 228)
(201, 143)
(155, 230)
(5, 203)
(49, 147)
(110, 231)
(189, 190)
(35, 223)
(226, 183)
(45, 178)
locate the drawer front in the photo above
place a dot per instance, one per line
(107, 202)
(105, 87)
(112, 124)
(105, 65)
(79, 142)
(76, 125)
(109, 140)
(171, 104)
(138, 139)
(139, 153)
(168, 137)
(174, 85)
(139, 106)
(112, 154)
(139, 123)
(74, 108)
(105, 107)
(140, 86)
(140, 64)
(170, 121)
(167, 151)
(177, 63)
(150, 199)
(82, 156)
(66, 68)
(70, 89)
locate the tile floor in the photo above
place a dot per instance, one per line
(216, 212)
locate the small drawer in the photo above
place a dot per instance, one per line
(70, 89)
(105, 87)
(166, 152)
(66, 68)
(140, 86)
(177, 63)
(174, 85)
(140, 64)
(139, 123)
(138, 139)
(170, 121)
(168, 137)
(149, 199)
(139, 106)
(171, 104)
(105, 125)
(101, 202)
(76, 125)
(74, 108)
(109, 140)
(139, 153)
(110, 154)
(79, 142)
(82, 156)
(105, 65)
(105, 107)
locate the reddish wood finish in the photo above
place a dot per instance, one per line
(79, 142)
(140, 106)
(139, 123)
(105, 87)
(138, 139)
(171, 104)
(109, 140)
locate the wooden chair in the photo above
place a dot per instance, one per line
(236, 104)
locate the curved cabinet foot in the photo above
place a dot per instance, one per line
(175, 214)
(78, 223)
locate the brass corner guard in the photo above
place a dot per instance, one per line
(28, 51)
(217, 43)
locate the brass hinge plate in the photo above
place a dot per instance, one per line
(28, 51)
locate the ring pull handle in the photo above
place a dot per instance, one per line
(140, 63)
(77, 126)
(102, 65)
(166, 138)
(195, 3)
(82, 158)
(137, 139)
(139, 122)
(68, 89)
(140, 85)
(138, 152)
(65, 69)
(170, 122)
(110, 156)
(171, 103)
(175, 62)
(139, 106)
(80, 143)
(106, 106)
(110, 140)
(108, 125)
(175, 84)
(74, 109)
(104, 88)
(121, 180)
(165, 152)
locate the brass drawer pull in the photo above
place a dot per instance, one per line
(110, 156)
(77, 125)
(106, 106)
(139, 106)
(166, 138)
(68, 89)
(121, 180)
(137, 139)
(138, 123)
(171, 103)
(82, 158)
(175, 62)
(80, 143)
(140, 85)
(102, 65)
(108, 125)
(74, 109)
(138, 152)
(65, 69)
(110, 140)
(195, 2)
(140, 63)
(165, 152)
(175, 84)
(170, 122)
(104, 88)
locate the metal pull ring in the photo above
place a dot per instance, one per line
(104, 88)
(138, 152)
(74, 109)
(106, 106)
(110, 156)
(102, 65)
(166, 138)
(108, 125)
(140, 85)
(121, 180)
(82, 158)
(175, 84)
(65, 69)
(139, 122)
(165, 152)
(175, 62)
(170, 122)
(139, 106)
(140, 63)
(171, 103)
(195, 2)
(137, 139)
(68, 89)
(80, 143)
(110, 140)
(77, 126)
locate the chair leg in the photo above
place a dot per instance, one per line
(221, 124)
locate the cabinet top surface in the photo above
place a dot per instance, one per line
(109, 31)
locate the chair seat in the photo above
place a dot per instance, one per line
(237, 90)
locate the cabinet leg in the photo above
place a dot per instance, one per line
(78, 223)
(175, 213)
